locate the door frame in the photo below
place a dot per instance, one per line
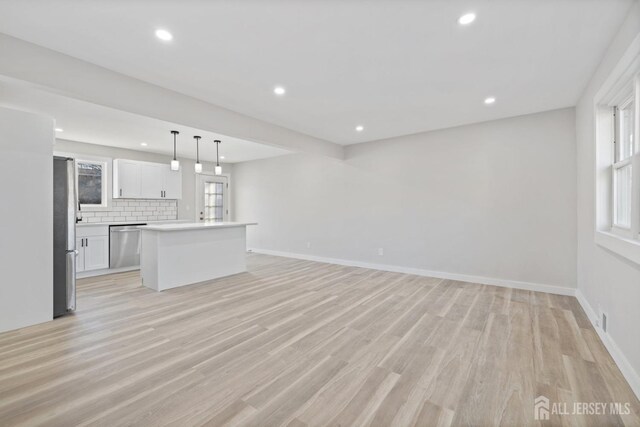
(198, 191)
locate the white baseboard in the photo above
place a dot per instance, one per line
(529, 286)
(625, 367)
(93, 273)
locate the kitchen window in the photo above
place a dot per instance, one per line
(91, 178)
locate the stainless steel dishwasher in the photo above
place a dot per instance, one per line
(124, 246)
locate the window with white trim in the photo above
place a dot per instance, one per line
(619, 154)
(617, 158)
(91, 178)
(625, 149)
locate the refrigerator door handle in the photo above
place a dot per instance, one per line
(71, 280)
(72, 205)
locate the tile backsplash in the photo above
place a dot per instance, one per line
(134, 210)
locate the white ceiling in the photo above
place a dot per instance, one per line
(94, 124)
(395, 67)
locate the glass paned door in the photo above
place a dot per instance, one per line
(213, 201)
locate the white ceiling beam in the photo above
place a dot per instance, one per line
(72, 77)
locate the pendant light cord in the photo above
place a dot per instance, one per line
(197, 138)
(217, 152)
(174, 132)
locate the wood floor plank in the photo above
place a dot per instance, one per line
(301, 343)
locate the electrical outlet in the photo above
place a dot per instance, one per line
(308, 245)
(381, 251)
(601, 321)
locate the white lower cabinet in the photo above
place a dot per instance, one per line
(80, 256)
(92, 244)
(96, 253)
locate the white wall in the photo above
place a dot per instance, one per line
(186, 206)
(495, 200)
(26, 219)
(605, 280)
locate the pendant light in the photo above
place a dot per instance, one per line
(175, 164)
(218, 169)
(198, 166)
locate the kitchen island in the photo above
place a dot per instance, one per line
(180, 254)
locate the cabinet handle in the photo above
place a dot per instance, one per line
(87, 242)
(121, 192)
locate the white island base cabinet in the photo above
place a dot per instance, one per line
(183, 254)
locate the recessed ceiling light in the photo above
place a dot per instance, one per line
(489, 100)
(359, 128)
(144, 144)
(164, 35)
(467, 19)
(222, 157)
(279, 90)
(59, 130)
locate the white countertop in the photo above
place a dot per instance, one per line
(181, 226)
(175, 221)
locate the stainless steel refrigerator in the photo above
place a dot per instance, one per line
(65, 205)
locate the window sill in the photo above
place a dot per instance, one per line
(626, 248)
(84, 208)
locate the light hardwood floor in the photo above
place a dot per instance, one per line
(303, 343)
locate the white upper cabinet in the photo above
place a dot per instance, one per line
(145, 180)
(126, 179)
(172, 183)
(151, 179)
